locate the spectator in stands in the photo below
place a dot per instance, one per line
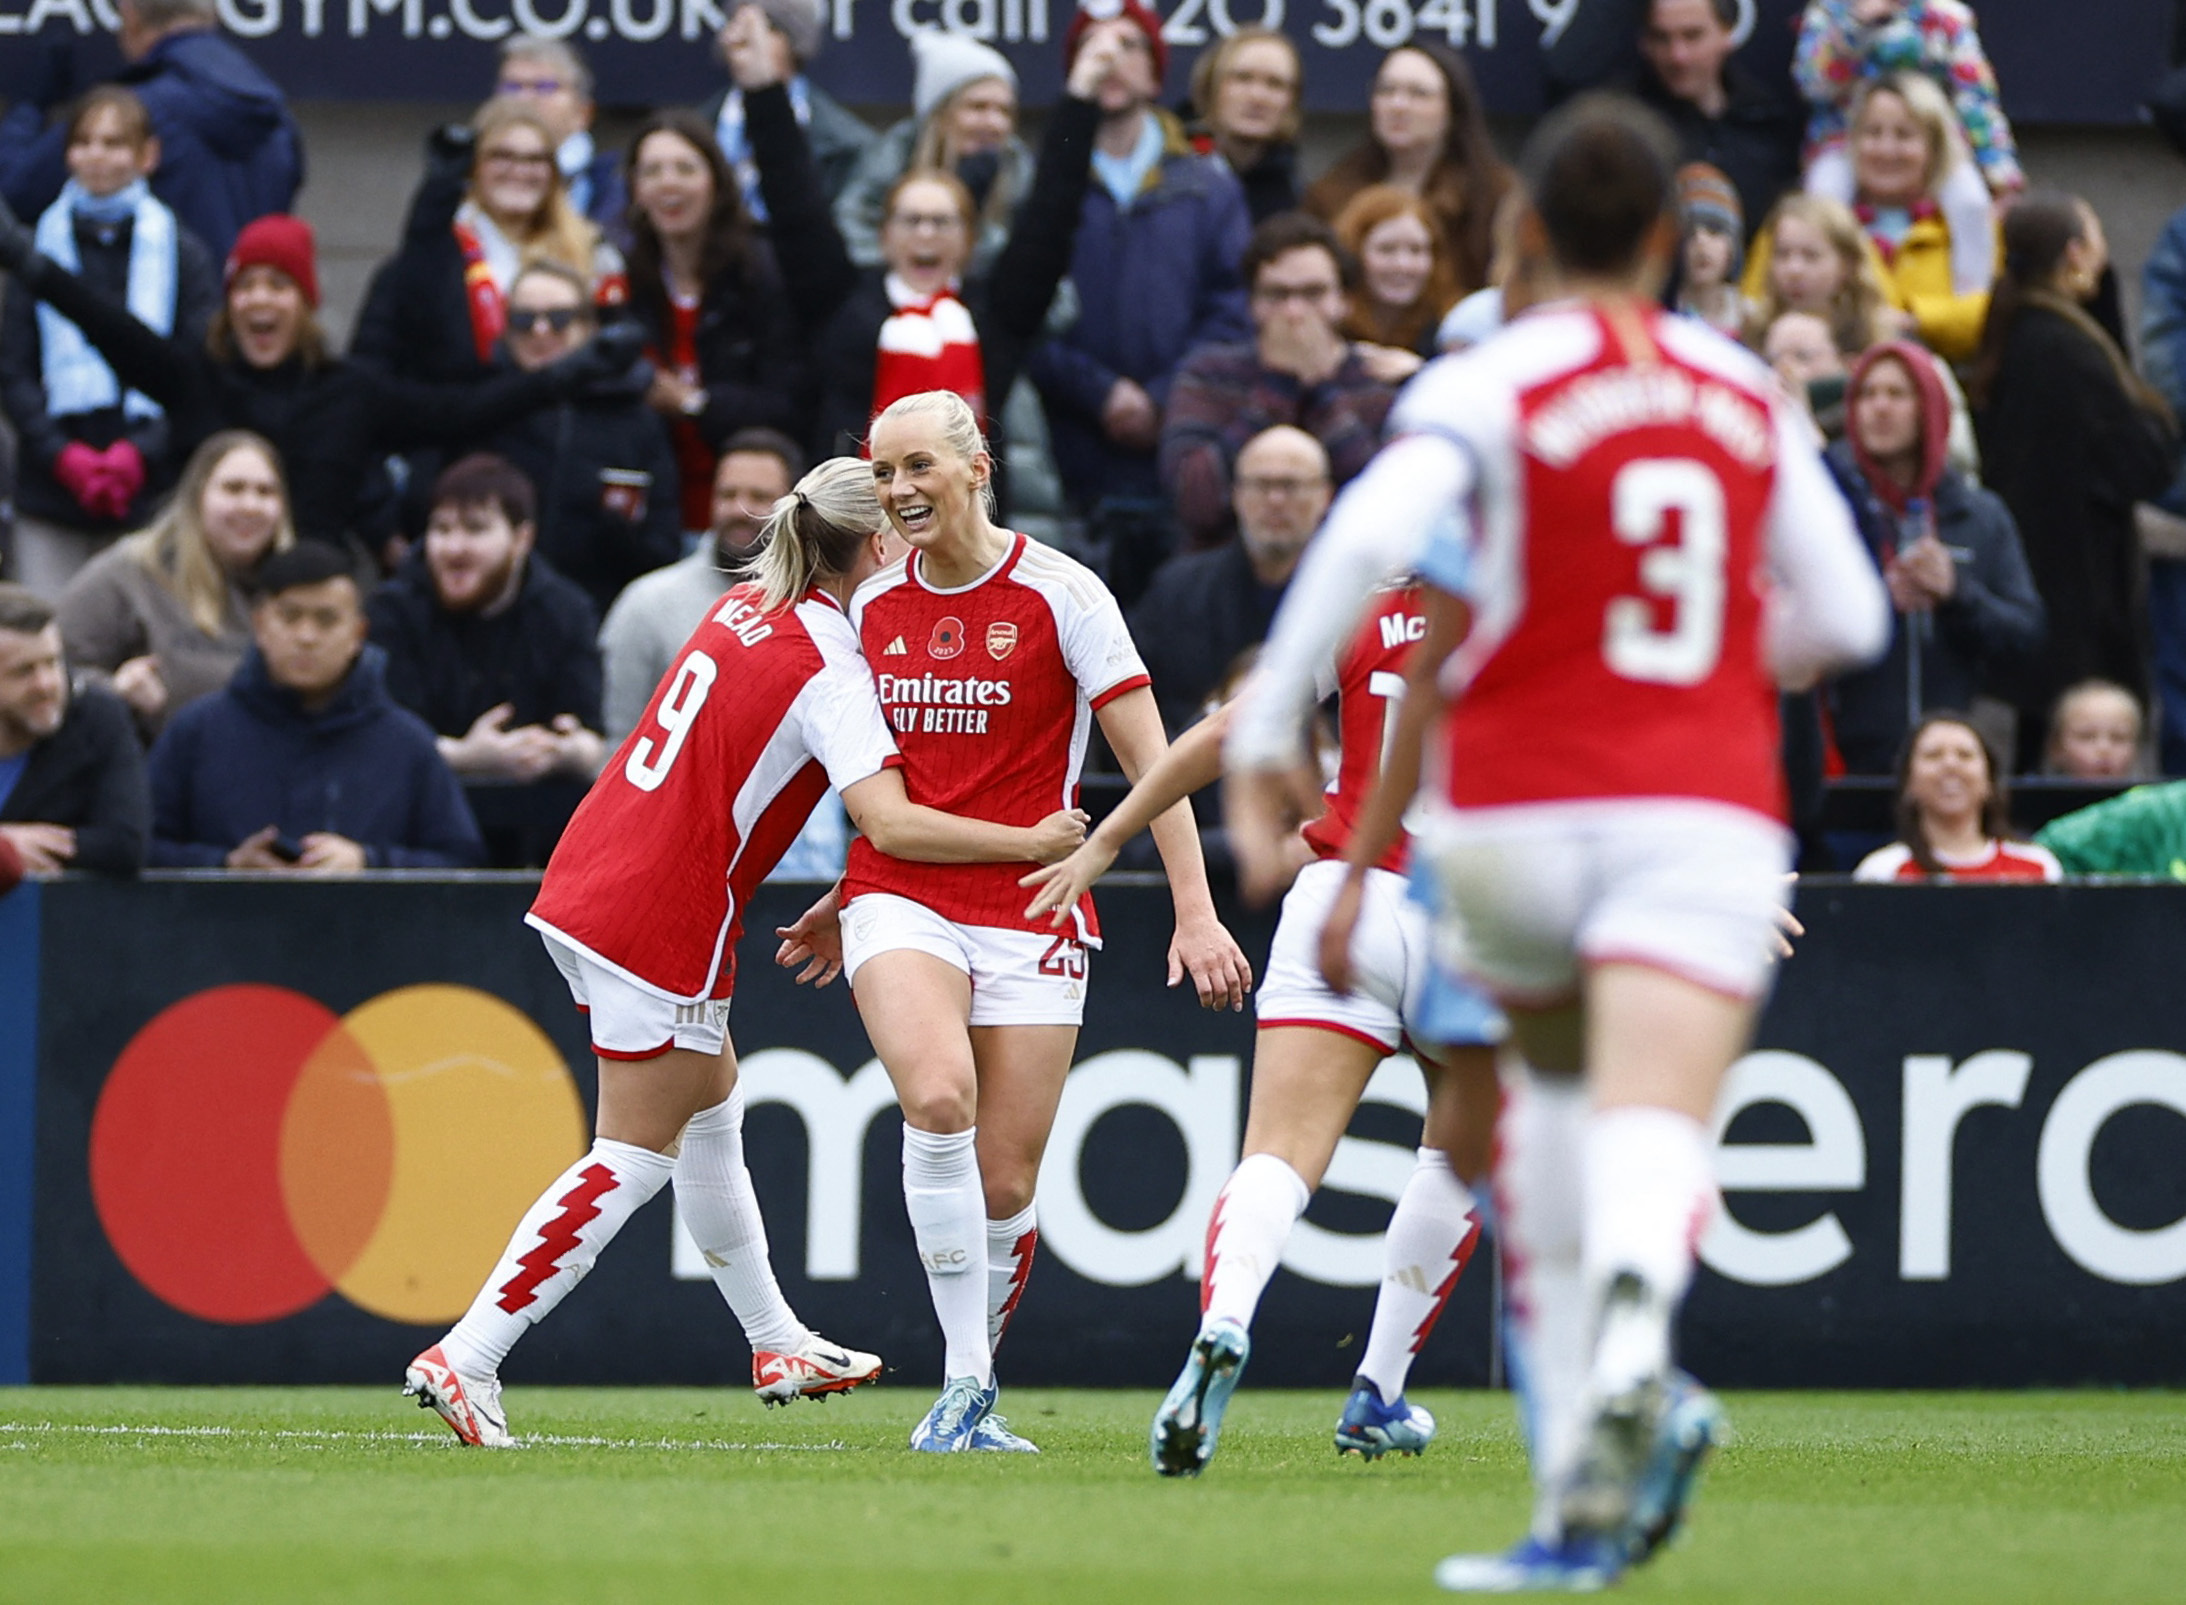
(1682, 67)
(1248, 91)
(71, 773)
(1155, 269)
(2095, 733)
(2141, 833)
(163, 617)
(552, 78)
(1204, 610)
(705, 285)
(492, 200)
(839, 141)
(1804, 355)
(1298, 369)
(229, 150)
(95, 458)
(304, 763)
(1711, 250)
(1846, 43)
(1427, 133)
(1812, 256)
(921, 324)
(609, 501)
(265, 367)
(1406, 285)
(651, 620)
(2163, 521)
(964, 121)
(1954, 816)
(2072, 438)
(1966, 606)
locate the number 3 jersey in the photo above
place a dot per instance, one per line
(1629, 483)
(762, 713)
(990, 690)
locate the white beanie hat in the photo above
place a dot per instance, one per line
(945, 62)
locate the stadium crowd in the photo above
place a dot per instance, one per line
(277, 607)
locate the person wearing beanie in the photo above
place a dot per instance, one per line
(265, 366)
(1155, 268)
(1711, 252)
(792, 30)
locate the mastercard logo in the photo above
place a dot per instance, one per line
(253, 1151)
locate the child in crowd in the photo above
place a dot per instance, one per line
(1845, 43)
(1818, 260)
(2095, 733)
(1712, 254)
(1804, 354)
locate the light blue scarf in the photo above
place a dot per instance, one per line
(77, 379)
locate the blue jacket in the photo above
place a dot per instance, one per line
(229, 150)
(1154, 279)
(2163, 333)
(250, 756)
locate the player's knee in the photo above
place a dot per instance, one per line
(941, 1106)
(1009, 1185)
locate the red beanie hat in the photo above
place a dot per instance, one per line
(282, 243)
(1136, 11)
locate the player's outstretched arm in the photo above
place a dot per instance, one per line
(1381, 821)
(901, 828)
(1194, 760)
(1202, 948)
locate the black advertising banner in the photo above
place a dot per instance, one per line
(283, 1129)
(653, 52)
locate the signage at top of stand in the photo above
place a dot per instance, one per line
(655, 52)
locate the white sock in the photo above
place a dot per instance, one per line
(1010, 1246)
(1431, 1237)
(721, 1212)
(1650, 1188)
(948, 1210)
(554, 1245)
(1252, 1218)
(1539, 1216)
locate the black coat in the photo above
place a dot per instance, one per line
(541, 654)
(1991, 624)
(753, 367)
(416, 317)
(333, 423)
(2070, 453)
(103, 254)
(89, 776)
(1201, 612)
(842, 306)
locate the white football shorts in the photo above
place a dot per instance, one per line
(628, 1021)
(1018, 977)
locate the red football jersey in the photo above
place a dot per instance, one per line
(762, 713)
(2004, 861)
(1616, 570)
(990, 691)
(1368, 683)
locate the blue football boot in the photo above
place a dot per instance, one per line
(1190, 1418)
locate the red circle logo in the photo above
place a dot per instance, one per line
(948, 639)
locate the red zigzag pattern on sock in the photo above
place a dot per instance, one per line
(1460, 1257)
(1021, 1251)
(580, 1208)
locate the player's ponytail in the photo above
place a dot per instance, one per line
(815, 532)
(959, 429)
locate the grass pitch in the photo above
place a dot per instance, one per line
(659, 1496)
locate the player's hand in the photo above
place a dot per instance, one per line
(44, 849)
(1059, 886)
(814, 941)
(1059, 835)
(1336, 934)
(1263, 809)
(329, 854)
(1203, 949)
(1788, 929)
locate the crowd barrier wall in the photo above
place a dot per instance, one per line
(255, 1131)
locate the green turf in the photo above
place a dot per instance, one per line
(349, 1494)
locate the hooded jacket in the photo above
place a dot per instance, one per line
(361, 767)
(229, 150)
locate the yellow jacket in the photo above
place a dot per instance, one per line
(1916, 280)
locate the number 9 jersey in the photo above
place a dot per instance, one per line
(763, 712)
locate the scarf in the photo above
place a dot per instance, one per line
(1888, 226)
(490, 263)
(574, 157)
(77, 379)
(928, 343)
(728, 132)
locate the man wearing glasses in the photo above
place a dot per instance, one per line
(552, 79)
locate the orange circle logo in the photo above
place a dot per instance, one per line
(253, 1151)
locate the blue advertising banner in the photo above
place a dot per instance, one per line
(2095, 69)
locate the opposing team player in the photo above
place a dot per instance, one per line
(1646, 540)
(994, 656)
(641, 907)
(1315, 1050)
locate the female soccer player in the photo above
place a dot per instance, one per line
(641, 907)
(994, 656)
(1316, 1048)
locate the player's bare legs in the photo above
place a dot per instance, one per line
(1021, 1072)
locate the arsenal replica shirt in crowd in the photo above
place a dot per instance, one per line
(1368, 683)
(990, 691)
(762, 713)
(2000, 861)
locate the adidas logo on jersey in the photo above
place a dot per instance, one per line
(895, 649)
